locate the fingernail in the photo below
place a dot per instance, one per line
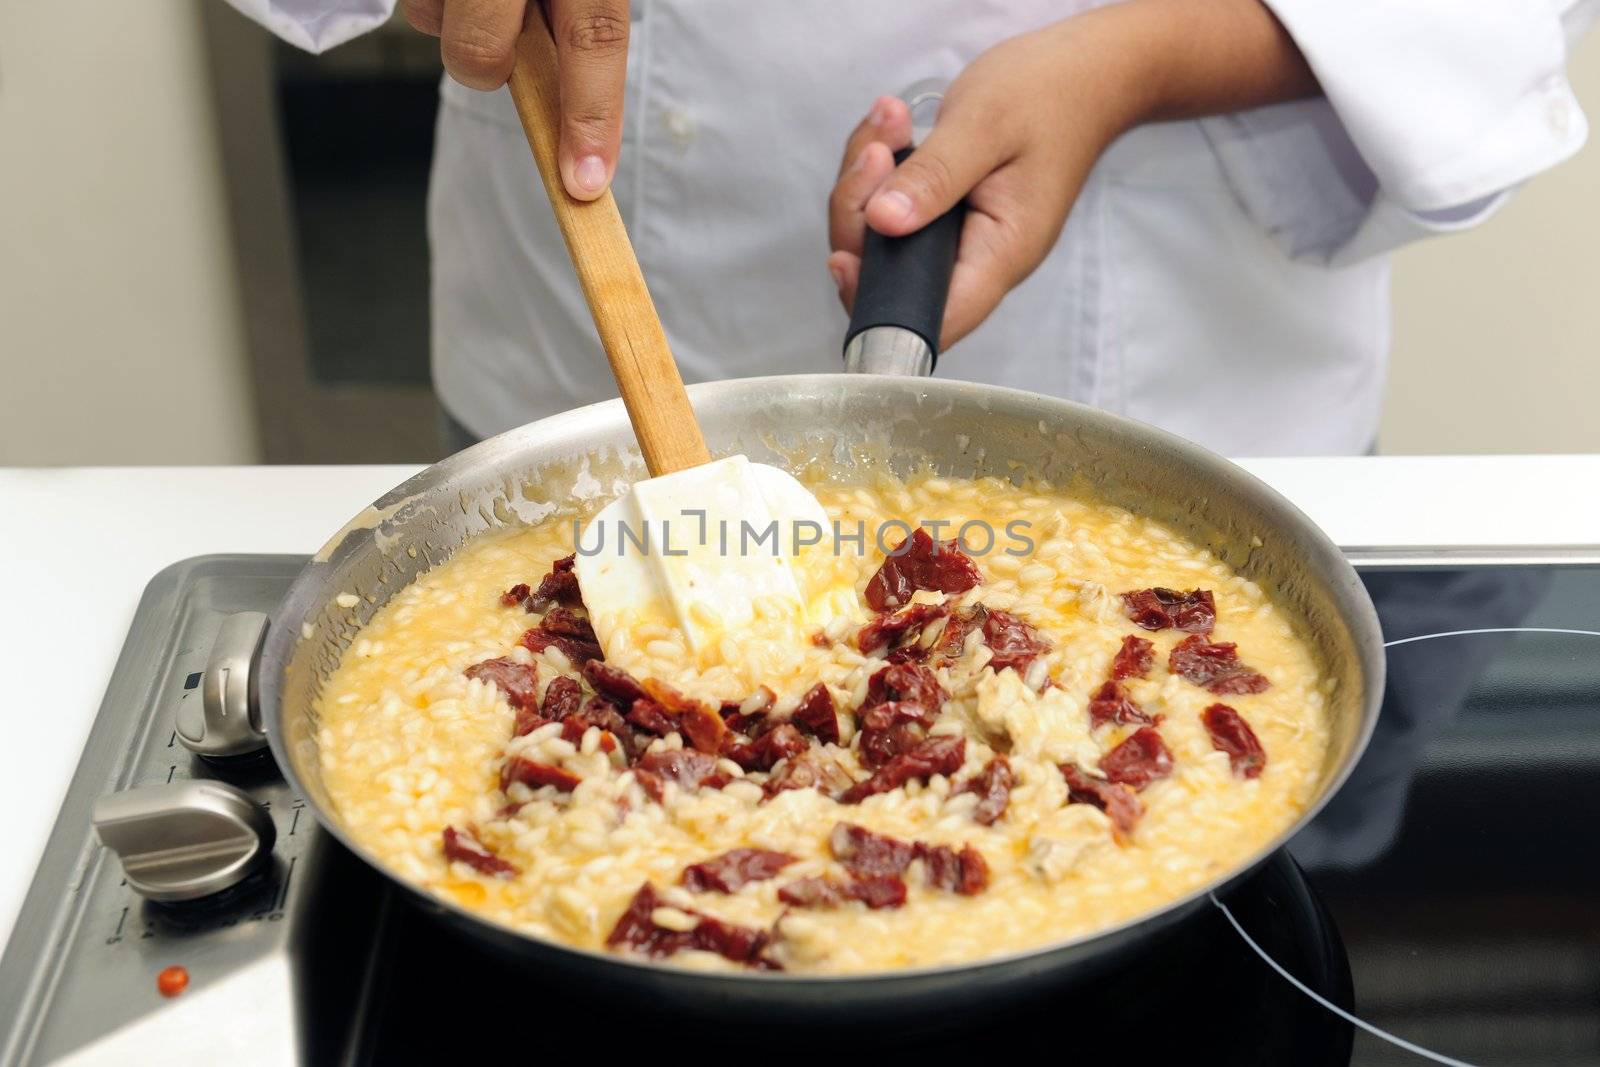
(838, 277)
(861, 161)
(896, 205)
(877, 116)
(590, 174)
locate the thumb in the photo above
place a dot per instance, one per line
(931, 181)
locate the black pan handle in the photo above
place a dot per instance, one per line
(900, 297)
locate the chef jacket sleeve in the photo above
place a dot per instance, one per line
(317, 25)
(1432, 112)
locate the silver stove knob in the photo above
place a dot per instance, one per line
(185, 840)
(227, 719)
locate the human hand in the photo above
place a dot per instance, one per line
(1021, 127)
(478, 44)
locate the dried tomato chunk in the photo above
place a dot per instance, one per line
(744, 715)
(1215, 667)
(906, 682)
(993, 786)
(762, 754)
(577, 651)
(515, 595)
(1134, 659)
(518, 681)
(1193, 612)
(965, 872)
(637, 929)
(614, 683)
(735, 868)
(684, 767)
(533, 774)
(651, 717)
(1013, 642)
(699, 723)
(888, 730)
(598, 712)
(564, 622)
(918, 563)
(938, 755)
(1140, 759)
(887, 891)
(464, 846)
(816, 715)
(1231, 734)
(562, 697)
(807, 771)
(902, 628)
(560, 586)
(1120, 803)
(869, 855)
(1111, 703)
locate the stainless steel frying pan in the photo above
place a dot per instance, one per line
(963, 430)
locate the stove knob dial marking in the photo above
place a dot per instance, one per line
(185, 840)
(226, 721)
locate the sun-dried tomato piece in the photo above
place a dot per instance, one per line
(907, 682)
(562, 697)
(1111, 703)
(577, 652)
(1013, 642)
(816, 715)
(1140, 759)
(515, 595)
(993, 786)
(902, 628)
(965, 872)
(463, 845)
(735, 868)
(594, 711)
(869, 855)
(779, 743)
(887, 891)
(809, 770)
(684, 767)
(937, 755)
(887, 730)
(533, 774)
(1120, 803)
(1215, 667)
(518, 681)
(564, 622)
(614, 683)
(1134, 659)
(637, 929)
(699, 722)
(1231, 734)
(744, 715)
(918, 563)
(651, 717)
(560, 586)
(1158, 609)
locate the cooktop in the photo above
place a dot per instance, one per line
(1441, 909)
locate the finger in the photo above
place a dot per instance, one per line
(888, 120)
(845, 267)
(425, 15)
(478, 39)
(861, 178)
(1002, 241)
(592, 54)
(954, 157)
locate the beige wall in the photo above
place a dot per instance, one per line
(1497, 330)
(119, 333)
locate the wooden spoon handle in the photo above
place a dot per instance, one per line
(630, 331)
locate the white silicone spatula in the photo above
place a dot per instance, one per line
(661, 547)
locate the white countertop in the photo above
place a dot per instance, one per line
(78, 545)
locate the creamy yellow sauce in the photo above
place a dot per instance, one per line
(410, 746)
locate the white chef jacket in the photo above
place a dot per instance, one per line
(1226, 278)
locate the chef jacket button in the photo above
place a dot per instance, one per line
(680, 127)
